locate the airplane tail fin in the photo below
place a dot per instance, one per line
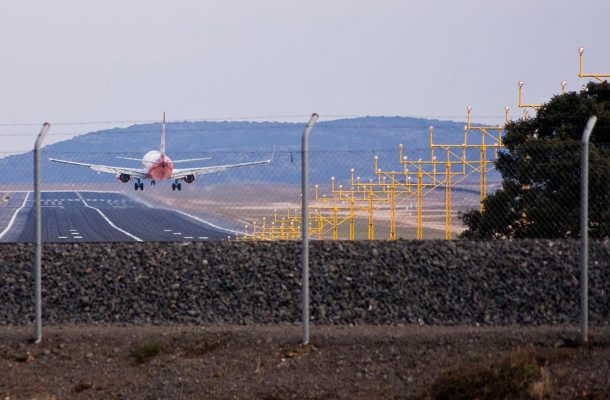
(162, 150)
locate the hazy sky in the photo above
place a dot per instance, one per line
(119, 60)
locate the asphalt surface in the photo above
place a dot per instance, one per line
(97, 217)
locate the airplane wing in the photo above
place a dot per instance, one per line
(134, 172)
(190, 159)
(183, 172)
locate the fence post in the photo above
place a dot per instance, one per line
(305, 229)
(38, 255)
(584, 229)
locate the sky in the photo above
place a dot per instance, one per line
(88, 65)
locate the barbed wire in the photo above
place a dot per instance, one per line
(294, 152)
(266, 118)
(221, 129)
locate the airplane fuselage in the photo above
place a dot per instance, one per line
(159, 165)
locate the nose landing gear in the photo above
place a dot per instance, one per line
(138, 185)
(177, 185)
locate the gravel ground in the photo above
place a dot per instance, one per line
(530, 282)
(267, 362)
(405, 319)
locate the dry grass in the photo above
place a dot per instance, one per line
(519, 374)
(146, 351)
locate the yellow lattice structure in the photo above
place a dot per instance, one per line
(588, 75)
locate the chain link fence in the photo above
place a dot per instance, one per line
(371, 178)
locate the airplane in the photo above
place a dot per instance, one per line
(159, 167)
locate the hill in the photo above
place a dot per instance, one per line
(336, 146)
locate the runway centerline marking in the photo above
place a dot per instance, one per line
(14, 217)
(108, 220)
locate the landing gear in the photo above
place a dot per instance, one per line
(177, 186)
(138, 185)
(153, 183)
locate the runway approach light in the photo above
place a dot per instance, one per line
(469, 108)
(404, 158)
(506, 108)
(376, 157)
(581, 50)
(520, 83)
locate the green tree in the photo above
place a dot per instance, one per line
(540, 192)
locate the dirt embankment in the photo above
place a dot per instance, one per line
(267, 362)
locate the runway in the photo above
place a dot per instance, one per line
(90, 216)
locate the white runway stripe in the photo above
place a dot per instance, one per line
(108, 220)
(68, 191)
(208, 223)
(12, 221)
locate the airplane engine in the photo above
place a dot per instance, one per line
(189, 178)
(124, 178)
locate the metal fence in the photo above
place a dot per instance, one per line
(368, 180)
(450, 189)
(371, 178)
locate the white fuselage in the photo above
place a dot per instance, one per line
(159, 165)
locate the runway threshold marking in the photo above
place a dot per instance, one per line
(14, 217)
(108, 220)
